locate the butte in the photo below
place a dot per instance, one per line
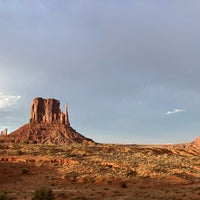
(47, 125)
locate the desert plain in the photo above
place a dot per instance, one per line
(101, 171)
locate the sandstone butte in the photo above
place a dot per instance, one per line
(48, 125)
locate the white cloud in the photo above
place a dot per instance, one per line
(175, 111)
(7, 101)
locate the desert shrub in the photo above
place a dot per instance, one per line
(123, 184)
(72, 154)
(19, 152)
(48, 152)
(131, 173)
(25, 142)
(43, 193)
(4, 196)
(52, 184)
(24, 171)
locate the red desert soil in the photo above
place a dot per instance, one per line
(100, 171)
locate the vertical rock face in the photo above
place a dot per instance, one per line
(48, 111)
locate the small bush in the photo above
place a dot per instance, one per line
(4, 196)
(72, 154)
(43, 194)
(131, 173)
(24, 171)
(123, 184)
(19, 152)
(48, 152)
(52, 184)
(25, 142)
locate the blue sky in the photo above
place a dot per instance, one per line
(129, 70)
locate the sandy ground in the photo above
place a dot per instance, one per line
(101, 171)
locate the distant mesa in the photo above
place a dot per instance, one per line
(48, 125)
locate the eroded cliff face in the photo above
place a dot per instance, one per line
(47, 111)
(48, 125)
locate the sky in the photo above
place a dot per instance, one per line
(129, 70)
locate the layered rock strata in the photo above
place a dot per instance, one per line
(48, 111)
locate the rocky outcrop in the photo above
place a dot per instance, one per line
(4, 132)
(48, 125)
(48, 111)
(196, 142)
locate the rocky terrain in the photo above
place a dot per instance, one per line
(100, 171)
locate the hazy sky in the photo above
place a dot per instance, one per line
(129, 70)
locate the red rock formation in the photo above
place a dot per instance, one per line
(47, 111)
(48, 125)
(196, 142)
(4, 132)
